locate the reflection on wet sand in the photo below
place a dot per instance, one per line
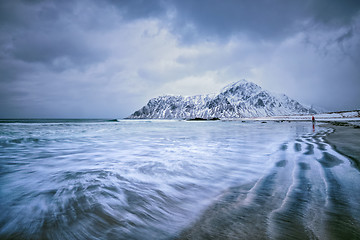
(310, 193)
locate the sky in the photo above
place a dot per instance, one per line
(106, 59)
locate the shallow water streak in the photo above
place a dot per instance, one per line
(305, 196)
(130, 179)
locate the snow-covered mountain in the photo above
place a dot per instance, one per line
(241, 99)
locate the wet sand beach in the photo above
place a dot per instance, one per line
(75, 179)
(312, 192)
(346, 140)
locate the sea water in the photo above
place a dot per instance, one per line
(133, 179)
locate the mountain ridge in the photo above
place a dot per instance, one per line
(241, 99)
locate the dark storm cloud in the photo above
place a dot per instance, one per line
(37, 38)
(42, 31)
(223, 18)
(46, 48)
(261, 19)
(60, 55)
(334, 12)
(34, 33)
(134, 9)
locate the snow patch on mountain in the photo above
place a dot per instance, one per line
(241, 99)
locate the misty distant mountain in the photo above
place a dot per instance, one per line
(241, 99)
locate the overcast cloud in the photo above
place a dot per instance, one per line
(105, 59)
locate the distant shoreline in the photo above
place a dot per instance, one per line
(344, 116)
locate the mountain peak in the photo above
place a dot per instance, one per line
(236, 100)
(241, 84)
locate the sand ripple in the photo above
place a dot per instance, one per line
(310, 193)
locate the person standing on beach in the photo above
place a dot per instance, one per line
(313, 122)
